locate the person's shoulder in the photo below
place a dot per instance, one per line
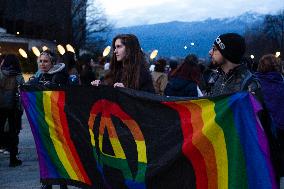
(179, 83)
(159, 74)
(164, 75)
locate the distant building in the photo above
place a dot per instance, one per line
(52, 20)
(10, 43)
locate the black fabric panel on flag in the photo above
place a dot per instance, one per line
(166, 165)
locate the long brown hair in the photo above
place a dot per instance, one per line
(269, 63)
(189, 69)
(127, 71)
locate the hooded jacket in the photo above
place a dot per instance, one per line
(10, 79)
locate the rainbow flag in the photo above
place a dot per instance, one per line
(58, 157)
(100, 137)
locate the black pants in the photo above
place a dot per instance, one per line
(10, 139)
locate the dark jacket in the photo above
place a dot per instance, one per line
(235, 80)
(272, 89)
(146, 83)
(145, 80)
(181, 87)
(87, 76)
(57, 75)
(10, 79)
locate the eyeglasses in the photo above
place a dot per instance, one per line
(214, 48)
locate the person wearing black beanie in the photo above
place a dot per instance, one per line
(232, 46)
(233, 76)
(227, 52)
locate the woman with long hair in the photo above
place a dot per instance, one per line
(128, 67)
(185, 79)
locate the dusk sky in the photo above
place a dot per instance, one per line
(138, 12)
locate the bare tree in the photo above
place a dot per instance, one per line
(274, 29)
(88, 19)
(258, 44)
(267, 37)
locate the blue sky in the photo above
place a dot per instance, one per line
(137, 12)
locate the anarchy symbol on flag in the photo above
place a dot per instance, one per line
(119, 161)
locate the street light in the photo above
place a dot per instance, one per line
(153, 54)
(192, 44)
(23, 53)
(70, 48)
(106, 51)
(252, 56)
(36, 51)
(44, 48)
(60, 49)
(277, 54)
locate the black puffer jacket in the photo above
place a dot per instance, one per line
(181, 87)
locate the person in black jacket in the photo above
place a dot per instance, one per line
(10, 106)
(232, 74)
(185, 80)
(128, 67)
(50, 74)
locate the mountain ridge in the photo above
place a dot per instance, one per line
(170, 38)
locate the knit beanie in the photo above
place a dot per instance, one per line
(232, 46)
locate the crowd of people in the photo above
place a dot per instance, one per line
(228, 72)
